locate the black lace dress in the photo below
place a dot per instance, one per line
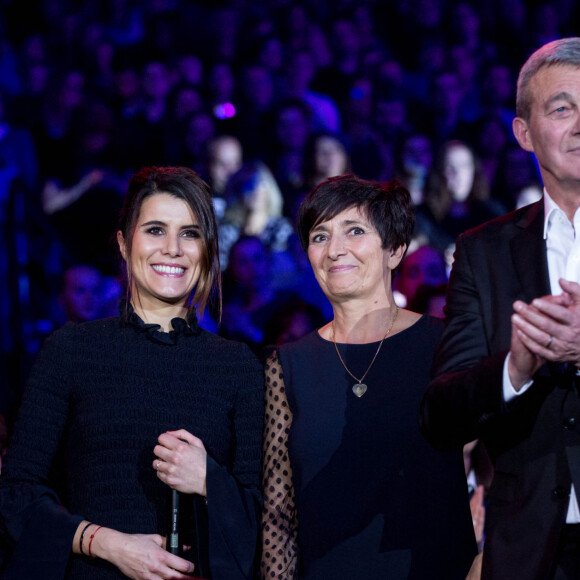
(103, 392)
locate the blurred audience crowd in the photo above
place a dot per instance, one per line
(265, 100)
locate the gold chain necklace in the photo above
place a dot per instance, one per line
(359, 389)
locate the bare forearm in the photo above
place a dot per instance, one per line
(137, 556)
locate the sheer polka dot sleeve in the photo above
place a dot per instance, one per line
(279, 524)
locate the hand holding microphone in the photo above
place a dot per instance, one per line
(181, 464)
(181, 461)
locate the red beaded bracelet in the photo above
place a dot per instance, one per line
(91, 542)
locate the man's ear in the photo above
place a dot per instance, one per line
(522, 134)
(122, 245)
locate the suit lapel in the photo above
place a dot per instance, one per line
(529, 253)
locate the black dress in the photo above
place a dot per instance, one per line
(104, 391)
(352, 490)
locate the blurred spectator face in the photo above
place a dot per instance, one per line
(492, 138)
(104, 54)
(360, 102)
(459, 171)
(363, 20)
(227, 22)
(330, 158)
(464, 63)
(81, 296)
(199, 131)
(249, 263)
(224, 29)
(98, 126)
(35, 48)
(37, 79)
(94, 33)
(272, 54)
(53, 10)
(256, 198)
(72, 90)
(298, 26)
(371, 59)
(447, 94)
(513, 13)
(225, 160)
(156, 82)
(128, 84)
(391, 73)
(187, 101)
(300, 72)
(431, 55)
(264, 25)
(190, 69)
(427, 13)
(465, 23)
(391, 114)
(221, 83)
(70, 28)
(498, 85)
(344, 39)
(318, 47)
(257, 86)
(546, 23)
(291, 128)
(425, 266)
(417, 154)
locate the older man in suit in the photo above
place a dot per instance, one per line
(507, 367)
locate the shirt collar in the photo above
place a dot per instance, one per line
(550, 209)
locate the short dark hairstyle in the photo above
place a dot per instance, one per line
(185, 184)
(387, 204)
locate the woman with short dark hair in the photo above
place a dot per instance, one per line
(352, 490)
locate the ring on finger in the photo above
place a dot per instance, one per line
(550, 342)
(157, 463)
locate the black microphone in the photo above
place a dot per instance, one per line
(172, 543)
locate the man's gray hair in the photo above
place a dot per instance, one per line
(564, 51)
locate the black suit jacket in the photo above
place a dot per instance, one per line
(529, 439)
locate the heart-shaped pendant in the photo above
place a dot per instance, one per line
(359, 389)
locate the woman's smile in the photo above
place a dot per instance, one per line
(342, 268)
(168, 270)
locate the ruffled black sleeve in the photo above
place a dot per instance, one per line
(233, 494)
